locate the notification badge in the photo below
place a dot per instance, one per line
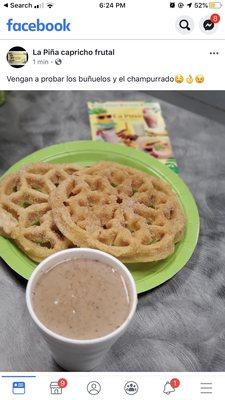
(62, 383)
(215, 18)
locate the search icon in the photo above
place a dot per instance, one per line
(185, 25)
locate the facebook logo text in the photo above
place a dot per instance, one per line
(38, 26)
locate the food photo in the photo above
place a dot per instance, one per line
(111, 231)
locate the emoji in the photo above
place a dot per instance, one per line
(179, 78)
(199, 78)
(189, 79)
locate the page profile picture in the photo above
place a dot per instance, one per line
(17, 57)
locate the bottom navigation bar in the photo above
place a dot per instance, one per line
(142, 386)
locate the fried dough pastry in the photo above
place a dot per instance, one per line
(25, 214)
(120, 210)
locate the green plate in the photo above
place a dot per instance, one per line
(146, 275)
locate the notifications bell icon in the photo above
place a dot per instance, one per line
(170, 387)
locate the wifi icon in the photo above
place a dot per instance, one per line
(50, 5)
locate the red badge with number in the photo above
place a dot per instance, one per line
(215, 18)
(175, 383)
(62, 383)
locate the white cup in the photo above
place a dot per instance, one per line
(72, 354)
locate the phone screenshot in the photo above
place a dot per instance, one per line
(112, 189)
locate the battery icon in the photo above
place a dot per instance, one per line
(215, 5)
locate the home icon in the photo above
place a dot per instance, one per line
(55, 389)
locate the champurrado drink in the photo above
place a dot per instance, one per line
(81, 299)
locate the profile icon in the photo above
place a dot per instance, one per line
(17, 57)
(94, 388)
